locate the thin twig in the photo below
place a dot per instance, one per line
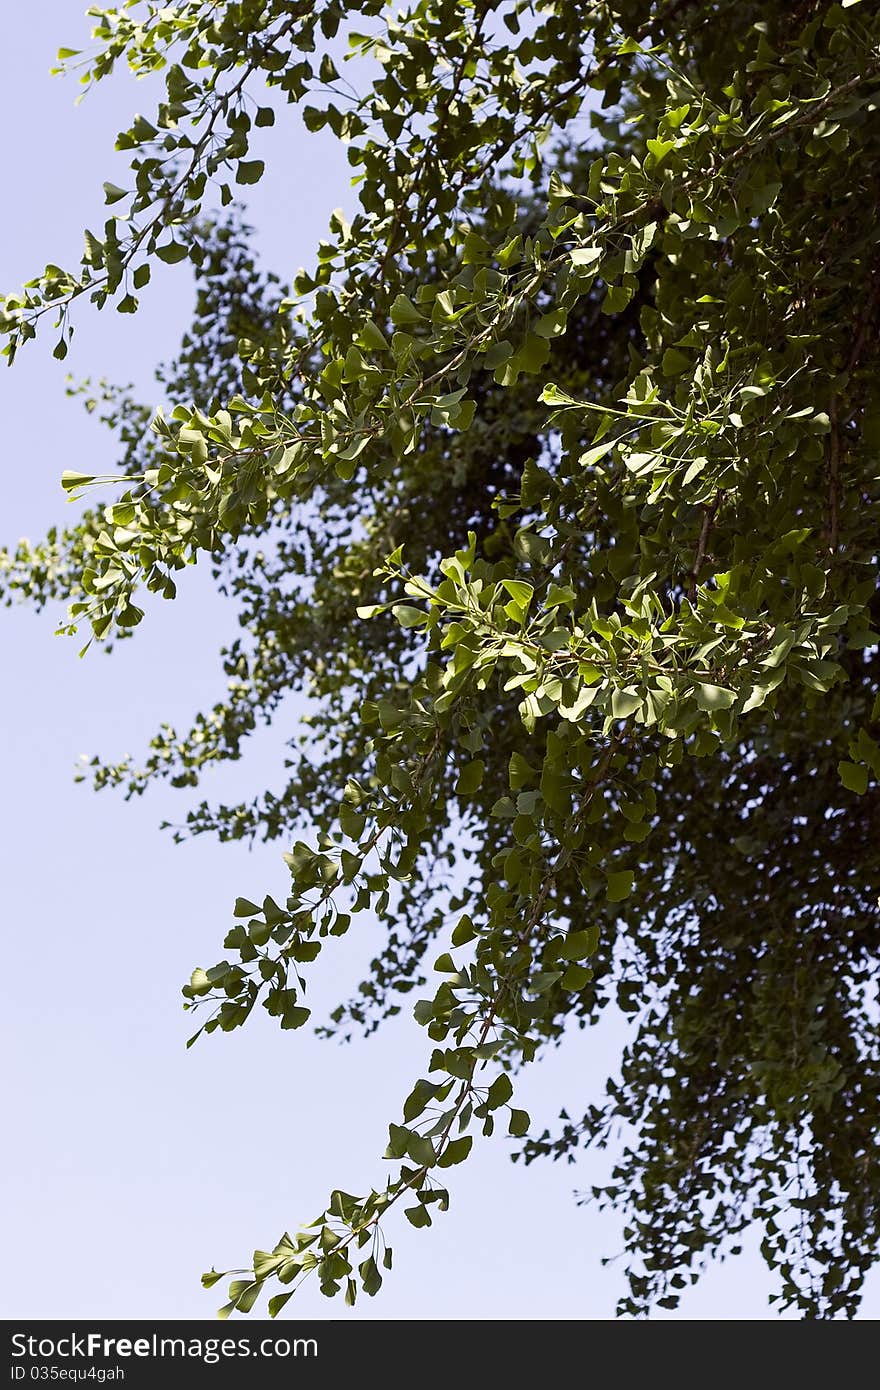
(709, 514)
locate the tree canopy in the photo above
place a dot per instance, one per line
(554, 484)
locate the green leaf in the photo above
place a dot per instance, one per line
(554, 395)
(419, 1097)
(674, 360)
(250, 171)
(499, 1092)
(519, 590)
(172, 253)
(70, 479)
(404, 312)
(580, 944)
(616, 299)
(464, 932)
(576, 977)
(598, 451)
(456, 1151)
(588, 256)
(370, 1277)
(244, 1294)
(421, 1150)
(277, 1302)
(372, 338)
(713, 697)
(408, 616)
(620, 885)
(313, 119)
(417, 1216)
(854, 777)
(520, 772)
(470, 777)
(295, 1017)
(660, 149)
(624, 703)
(245, 908)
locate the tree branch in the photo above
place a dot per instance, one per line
(709, 514)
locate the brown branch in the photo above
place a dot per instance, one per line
(709, 514)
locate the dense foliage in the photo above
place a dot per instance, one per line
(555, 485)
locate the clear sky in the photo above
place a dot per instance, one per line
(129, 1164)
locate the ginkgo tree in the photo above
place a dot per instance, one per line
(555, 484)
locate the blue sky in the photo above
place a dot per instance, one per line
(131, 1164)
